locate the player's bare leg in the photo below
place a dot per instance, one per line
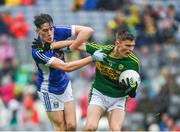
(116, 119)
(93, 116)
(57, 120)
(70, 115)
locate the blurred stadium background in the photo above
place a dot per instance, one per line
(155, 23)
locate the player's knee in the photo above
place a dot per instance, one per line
(58, 126)
(90, 127)
(115, 128)
(71, 126)
(58, 123)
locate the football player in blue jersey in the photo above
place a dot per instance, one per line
(53, 86)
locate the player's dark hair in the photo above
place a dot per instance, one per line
(124, 35)
(41, 19)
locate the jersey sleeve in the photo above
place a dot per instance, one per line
(63, 32)
(40, 57)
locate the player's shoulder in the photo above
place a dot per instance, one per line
(41, 56)
(105, 48)
(134, 58)
(36, 53)
(34, 50)
(134, 55)
(108, 47)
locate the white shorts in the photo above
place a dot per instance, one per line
(106, 102)
(53, 102)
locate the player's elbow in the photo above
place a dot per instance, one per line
(68, 68)
(90, 30)
(63, 67)
(87, 31)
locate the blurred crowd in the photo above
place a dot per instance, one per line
(89, 5)
(156, 106)
(17, 2)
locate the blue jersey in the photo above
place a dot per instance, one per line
(50, 79)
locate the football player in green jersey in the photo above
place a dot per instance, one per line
(106, 94)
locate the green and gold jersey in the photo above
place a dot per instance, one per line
(107, 72)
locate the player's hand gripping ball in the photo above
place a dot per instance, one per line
(129, 81)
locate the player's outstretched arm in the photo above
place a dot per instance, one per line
(37, 43)
(70, 66)
(74, 65)
(82, 34)
(61, 44)
(66, 43)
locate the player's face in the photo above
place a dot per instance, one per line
(124, 48)
(46, 32)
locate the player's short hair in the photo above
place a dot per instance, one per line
(124, 35)
(41, 19)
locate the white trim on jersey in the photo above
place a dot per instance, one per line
(50, 61)
(43, 57)
(46, 73)
(73, 30)
(63, 26)
(47, 101)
